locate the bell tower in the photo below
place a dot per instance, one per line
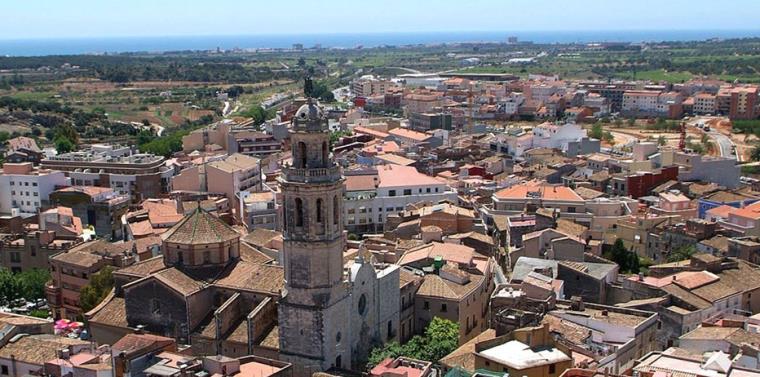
(314, 309)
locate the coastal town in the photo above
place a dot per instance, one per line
(458, 223)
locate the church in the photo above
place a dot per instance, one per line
(312, 305)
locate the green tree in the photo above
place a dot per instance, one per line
(440, 339)
(682, 253)
(597, 131)
(661, 140)
(100, 285)
(608, 137)
(9, 288)
(4, 136)
(63, 145)
(627, 260)
(32, 283)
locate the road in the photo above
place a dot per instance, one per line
(725, 145)
(227, 108)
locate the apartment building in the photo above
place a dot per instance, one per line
(744, 103)
(73, 269)
(369, 85)
(529, 197)
(126, 171)
(236, 173)
(27, 189)
(652, 103)
(705, 103)
(56, 231)
(620, 335)
(372, 195)
(260, 209)
(99, 207)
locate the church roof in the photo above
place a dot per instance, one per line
(253, 277)
(200, 227)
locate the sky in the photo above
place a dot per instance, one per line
(33, 19)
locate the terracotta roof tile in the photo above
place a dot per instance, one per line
(200, 227)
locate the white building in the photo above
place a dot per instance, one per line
(369, 85)
(371, 197)
(549, 135)
(25, 190)
(705, 103)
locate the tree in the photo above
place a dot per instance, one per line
(627, 260)
(608, 137)
(682, 253)
(32, 283)
(63, 145)
(755, 154)
(99, 287)
(597, 131)
(631, 122)
(4, 136)
(440, 339)
(661, 140)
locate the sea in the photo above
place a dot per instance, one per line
(96, 45)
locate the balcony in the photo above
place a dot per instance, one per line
(317, 175)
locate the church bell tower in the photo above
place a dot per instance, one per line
(314, 309)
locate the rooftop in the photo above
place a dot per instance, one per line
(200, 227)
(518, 355)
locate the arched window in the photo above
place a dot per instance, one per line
(299, 212)
(319, 210)
(336, 215)
(325, 153)
(302, 154)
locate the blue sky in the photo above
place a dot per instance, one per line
(105, 18)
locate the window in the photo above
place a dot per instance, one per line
(444, 309)
(15, 257)
(362, 304)
(299, 212)
(571, 209)
(426, 305)
(407, 192)
(427, 190)
(4, 369)
(325, 153)
(301, 154)
(390, 329)
(13, 183)
(319, 210)
(552, 368)
(155, 306)
(391, 192)
(34, 184)
(436, 189)
(336, 210)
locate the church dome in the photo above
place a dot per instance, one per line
(310, 111)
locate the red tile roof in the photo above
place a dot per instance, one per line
(544, 191)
